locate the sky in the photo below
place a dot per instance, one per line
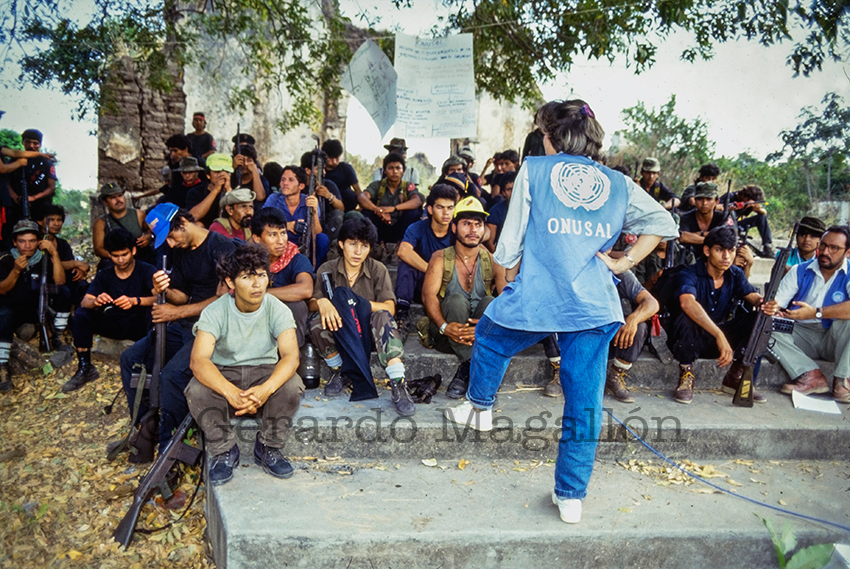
(746, 94)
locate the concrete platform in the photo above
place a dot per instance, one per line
(498, 514)
(527, 426)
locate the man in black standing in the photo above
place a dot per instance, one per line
(203, 143)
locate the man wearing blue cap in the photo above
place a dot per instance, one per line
(190, 287)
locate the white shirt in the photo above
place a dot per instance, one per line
(817, 294)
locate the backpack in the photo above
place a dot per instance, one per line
(449, 268)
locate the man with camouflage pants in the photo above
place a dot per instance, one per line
(367, 280)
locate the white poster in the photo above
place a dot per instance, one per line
(436, 87)
(371, 79)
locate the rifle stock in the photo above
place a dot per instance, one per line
(238, 172)
(765, 325)
(175, 450)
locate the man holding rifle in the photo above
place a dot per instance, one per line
(191, 286)
(816, 294)
(20, 273)
(297, 208)
(704, 322)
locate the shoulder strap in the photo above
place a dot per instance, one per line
(487, 270)
(448, 269)
(225, 222)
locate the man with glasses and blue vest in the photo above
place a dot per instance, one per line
(816, 294)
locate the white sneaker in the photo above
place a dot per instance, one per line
(466, 414)
(570, 509)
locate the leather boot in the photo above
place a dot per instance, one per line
(810, 382)
(732, 380)
(86, 372)
(460, 382)
(553, 388)
(685, 391)
(401, 398)
(615, 384)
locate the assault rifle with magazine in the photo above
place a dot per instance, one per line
(765, 325)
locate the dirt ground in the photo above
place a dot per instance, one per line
(61, 500)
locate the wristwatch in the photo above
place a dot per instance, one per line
(443, 328)
(819, 313)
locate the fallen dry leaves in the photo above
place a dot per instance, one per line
(667, 475)
(60, 499)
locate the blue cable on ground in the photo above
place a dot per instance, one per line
(724, 490)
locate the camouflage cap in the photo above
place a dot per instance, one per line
(650, 165)
(706, 190)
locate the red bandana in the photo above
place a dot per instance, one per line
(288, 253)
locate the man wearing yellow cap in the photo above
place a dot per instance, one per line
(458, 287)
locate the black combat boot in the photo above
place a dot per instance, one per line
(86, 372)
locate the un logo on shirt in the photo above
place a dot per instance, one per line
(579, 185)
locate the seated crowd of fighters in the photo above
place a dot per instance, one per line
(241, 300)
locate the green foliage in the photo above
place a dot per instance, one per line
(81, 60)
(821, 141)
(681, 145)
(77, 211)
(784, 542)
(284, 43)
(11, 139)
(520, 41)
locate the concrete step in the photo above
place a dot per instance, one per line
(499, 514)
(532, 368)
(528, 426)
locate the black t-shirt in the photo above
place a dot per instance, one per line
(25, 292)
(65, 254)
(201, 144)
(198, 193)
(39, 172)
(299, 264)
(688, 222)
(139, 283)
(324, 203)
(194, 270)
(344, 177)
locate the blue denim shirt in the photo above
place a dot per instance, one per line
(718, 303)
(301, 212)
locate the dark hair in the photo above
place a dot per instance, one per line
(119, 239)
(469, 215)
(843, 230)
(359, 229)
(32, 134)
(307, 159)
(511, 155)
(572, 128)
(178, 141)
(267, 217)
(394, 157)
(249, 258)
(623, 170)
(333, 148)
(246, 150)
(507, 178)
(441, 192)
(709, 171)
(748, 193)
(497, 156)
(299, 172)
(54, 209)
(724, 236)
(272, 172)
(181, 217)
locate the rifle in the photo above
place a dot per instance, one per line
(141, 443)
(155, 479)
(238, 172)
(43, 303)
(317, 168)
(328, 285)
(759, 341)
(25, 196)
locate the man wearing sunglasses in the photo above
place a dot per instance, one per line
(817, 295)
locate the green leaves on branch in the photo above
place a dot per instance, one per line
(680, 144)
(520, 41)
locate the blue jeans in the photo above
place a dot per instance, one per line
(584, 357)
